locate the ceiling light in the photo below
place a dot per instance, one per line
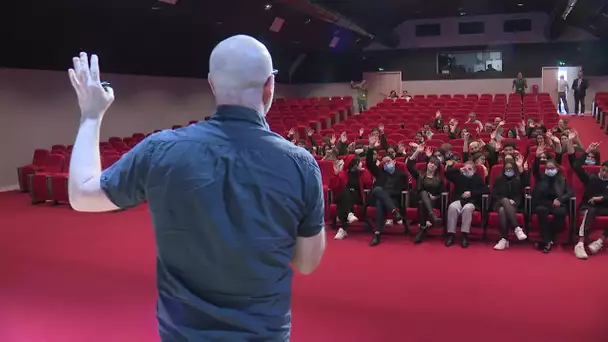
(307, 22)
(267, 7)
(520, 4)
(463, 13)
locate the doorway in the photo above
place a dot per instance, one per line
(380, 84)
(550, 79)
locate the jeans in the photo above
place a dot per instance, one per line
(384, 203)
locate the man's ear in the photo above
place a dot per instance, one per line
(210, 83)
(267, 93)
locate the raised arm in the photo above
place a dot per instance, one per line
(84, 186)
(370, 163)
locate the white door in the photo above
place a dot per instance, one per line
(380, 84)
(549, 83)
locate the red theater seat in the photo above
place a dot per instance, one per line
(39, 190)
(37, 165)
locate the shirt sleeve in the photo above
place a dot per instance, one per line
(125, 181)
(314, 217)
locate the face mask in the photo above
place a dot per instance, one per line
(448, 154)
(358, 150)
(389, 168)
(551, 172)
(589, 161)
(469, 174)
(510, 173)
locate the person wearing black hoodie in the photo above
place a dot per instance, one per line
(595, 198)
(551, 195)
(506, 198)
(468, 190)
(386, 194)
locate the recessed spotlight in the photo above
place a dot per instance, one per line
(267, 7)
(463, 13)
(307, 22)
(520, 4)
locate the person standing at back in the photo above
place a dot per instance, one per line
(562, 93)
(520, 85)
(579, 87)
(233, 204)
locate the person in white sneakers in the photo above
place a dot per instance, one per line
(506, 198)
(595, 198)
(347, 185)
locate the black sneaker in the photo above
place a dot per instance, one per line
(375, 240)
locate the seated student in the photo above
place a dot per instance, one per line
(347, 185)
(429, 186)
(479, 158)
(386, 194)
(468, 190)
(492, 126)
(438, 122)
(507, 198)
(595, 198)
(426, 131)
(550, 196)
(473, 119)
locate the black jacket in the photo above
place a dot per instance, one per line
(398, 178)
(594, 186)
(583, 89)
(547, 189)
(462, 183)
(435, 190)
(511, 188)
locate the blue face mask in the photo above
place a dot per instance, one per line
(469, 174)
(589, 161)
(510, 173)
(390, 168)
(551, 172)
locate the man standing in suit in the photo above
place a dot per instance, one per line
(579, 87)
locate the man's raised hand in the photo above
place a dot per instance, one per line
(93, 98)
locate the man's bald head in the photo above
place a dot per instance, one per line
(240, 73)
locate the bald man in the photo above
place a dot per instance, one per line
(232, 203)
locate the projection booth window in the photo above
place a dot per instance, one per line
(454, 63)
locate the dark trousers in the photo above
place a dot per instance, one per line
(507, 216)
(362, 105)
(548, 230)
(345, 204)
(589, 214)
(384, 202)
(425, 206)
(562, 100)
(579, 100)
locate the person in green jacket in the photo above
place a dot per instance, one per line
(520, 85)
(361, 94)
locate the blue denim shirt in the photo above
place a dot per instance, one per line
(228, 199)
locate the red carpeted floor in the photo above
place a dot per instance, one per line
(73, 277)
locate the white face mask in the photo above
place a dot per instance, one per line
(358, 151)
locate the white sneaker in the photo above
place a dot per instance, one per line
(351, 218)
(595, 246)
(501, 245)
(388, 222)
(400, 222)
(520, 234)
(579, 251)
(341, 234)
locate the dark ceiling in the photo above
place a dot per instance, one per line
(151, 37)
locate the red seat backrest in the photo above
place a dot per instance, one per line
(55, 163)
(327, 170)
(40, 156)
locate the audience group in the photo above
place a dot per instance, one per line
(370, 172)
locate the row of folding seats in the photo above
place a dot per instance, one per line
(481, 219)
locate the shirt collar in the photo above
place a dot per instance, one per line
(230, 112)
